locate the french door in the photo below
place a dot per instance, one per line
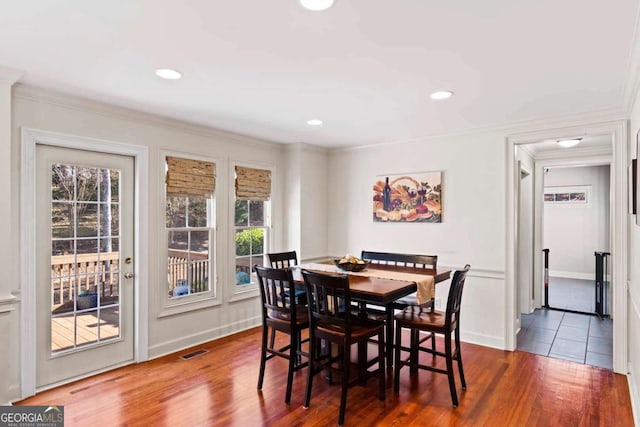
(84, 263)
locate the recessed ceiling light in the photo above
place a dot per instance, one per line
(168, 73)
(569, 142)
(441, 94)
(314, 122)
(317, 5)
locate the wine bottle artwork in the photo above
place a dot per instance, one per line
(404, 198)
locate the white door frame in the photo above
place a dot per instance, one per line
(619, 133)
(30, 138)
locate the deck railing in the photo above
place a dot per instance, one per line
(185, 265)
(83, 273)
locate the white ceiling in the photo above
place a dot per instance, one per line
(365, 67)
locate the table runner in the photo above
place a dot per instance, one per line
(425, 284)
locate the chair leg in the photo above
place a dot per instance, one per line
(272, 343)
(433, 344)
(382, 372)
(346, 363)
(263, 355)
(414, 352)
(459, 357)
(396, 364)
(449, 358)
(293, 354)
(313, 356)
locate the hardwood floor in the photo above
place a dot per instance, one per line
(219, 388)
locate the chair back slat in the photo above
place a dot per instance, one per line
(283, 259)
(273, 285)
(402, 260)
(452, 316)
(328, 297)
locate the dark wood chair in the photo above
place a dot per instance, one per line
(434, 322)
(280, 314)
(283, 259)
(288, 260)
(328, 296)
(427, 262)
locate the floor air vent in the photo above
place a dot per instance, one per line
(193, 354)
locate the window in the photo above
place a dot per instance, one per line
(251, 221)
(189, 223)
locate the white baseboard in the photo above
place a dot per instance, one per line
(572, 275)
(483, 340)
(168, 347)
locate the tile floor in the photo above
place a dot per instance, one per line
(572, 294)
(579, 338)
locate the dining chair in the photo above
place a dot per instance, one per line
(426, 262)
(283, 259)
(328, 297)
(287, 260)
(434, 322)
(280, 314)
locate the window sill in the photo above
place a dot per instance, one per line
(172, 308)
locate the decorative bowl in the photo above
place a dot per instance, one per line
(350, 266)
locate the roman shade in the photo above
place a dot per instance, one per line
(187, 177)
(253, 184)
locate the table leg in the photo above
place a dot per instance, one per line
(389, 335)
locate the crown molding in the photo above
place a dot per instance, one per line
(551, 125)
(575, 153)
(9, 75)
(48, 96)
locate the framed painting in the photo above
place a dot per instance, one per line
(408, 198)
(578, 194)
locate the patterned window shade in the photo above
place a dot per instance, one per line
(186, 177)
(253, 184)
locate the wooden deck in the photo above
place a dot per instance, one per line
(219, 388)
(86, 330)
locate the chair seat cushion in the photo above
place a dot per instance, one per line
(359, 328)
(302, 316)
(413, 317)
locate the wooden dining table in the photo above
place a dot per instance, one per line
(382, 292)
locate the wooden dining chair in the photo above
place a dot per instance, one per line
(283, 259)
(426, 262)
(287, 260)
(330, 321)
(280, 314)
(434, 322)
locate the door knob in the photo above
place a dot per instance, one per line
(128, 275)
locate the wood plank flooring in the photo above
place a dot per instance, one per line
(219, 388)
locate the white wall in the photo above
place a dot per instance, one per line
(525, 233)
(47, 111)
(306, 201)
(633, 329)
(573, 232)
(473, 227)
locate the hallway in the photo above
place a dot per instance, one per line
(575, 337)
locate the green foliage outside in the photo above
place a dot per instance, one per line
(250, 241)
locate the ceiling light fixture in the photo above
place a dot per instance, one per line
(316, 5)
(441, 94)
(314, 122)
(168, 74)
(566, 143)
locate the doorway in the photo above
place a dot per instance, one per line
(560, 323)
(84, 256)
(124, 298)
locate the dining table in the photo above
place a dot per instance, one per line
(394, 284)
